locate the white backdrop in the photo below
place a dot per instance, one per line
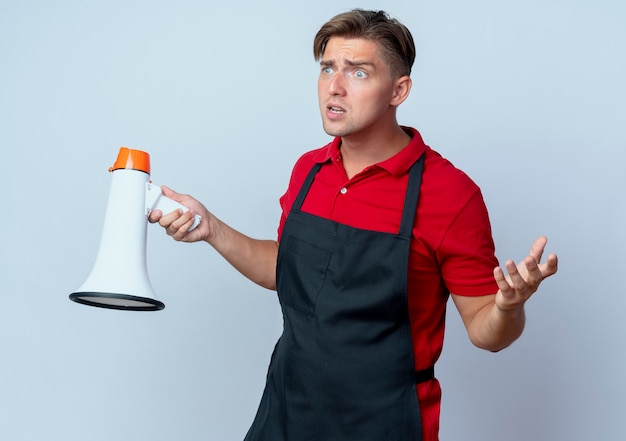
(528, 97)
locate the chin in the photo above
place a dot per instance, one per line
(336, 131)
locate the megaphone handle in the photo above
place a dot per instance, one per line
(155, 200)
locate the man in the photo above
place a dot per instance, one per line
(377, 231)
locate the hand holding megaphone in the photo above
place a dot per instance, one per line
(156, 200)
(174, 221)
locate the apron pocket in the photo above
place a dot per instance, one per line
(303, 267)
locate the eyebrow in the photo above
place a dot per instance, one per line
(352, 63)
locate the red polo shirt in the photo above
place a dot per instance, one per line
(452, 248)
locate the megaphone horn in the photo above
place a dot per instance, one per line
(119, 277)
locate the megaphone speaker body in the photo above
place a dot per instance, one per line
(119, 278)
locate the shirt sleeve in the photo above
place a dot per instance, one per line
(467, 253)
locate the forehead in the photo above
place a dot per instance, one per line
(341, 49)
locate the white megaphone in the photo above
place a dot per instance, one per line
(119, 277)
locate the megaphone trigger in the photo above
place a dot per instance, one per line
(155, 200)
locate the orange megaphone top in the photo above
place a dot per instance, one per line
(132, 159)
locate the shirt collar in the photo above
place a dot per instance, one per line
(398, 164)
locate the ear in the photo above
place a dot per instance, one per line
(401, 90)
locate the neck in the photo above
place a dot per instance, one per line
(360, 151)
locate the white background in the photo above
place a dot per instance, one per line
(527, 97)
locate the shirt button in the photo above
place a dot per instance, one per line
(344, 190)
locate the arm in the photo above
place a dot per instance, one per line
(495, 321)
(255, 259)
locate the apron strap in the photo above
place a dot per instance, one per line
(297, 204)
(412, 196)
(424, 375)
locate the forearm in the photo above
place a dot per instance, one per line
(254, 258)
(493, 329)
(495, 321)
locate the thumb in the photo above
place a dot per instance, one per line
(169, 193)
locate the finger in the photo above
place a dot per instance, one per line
(517, 281)
(537, 248)
(534, 273)
(184, 235)
(550, 267)
(180, 227)
(167, 220)
(501, 281)
(155, 215)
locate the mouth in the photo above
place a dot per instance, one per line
(335, 109)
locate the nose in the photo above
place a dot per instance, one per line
(336, 85)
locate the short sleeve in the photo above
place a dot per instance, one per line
(467, 252)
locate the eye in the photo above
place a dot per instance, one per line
(327, 70)
(360, 74)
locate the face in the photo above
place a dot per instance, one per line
(356, 91)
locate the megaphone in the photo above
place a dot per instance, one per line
(119, 277)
